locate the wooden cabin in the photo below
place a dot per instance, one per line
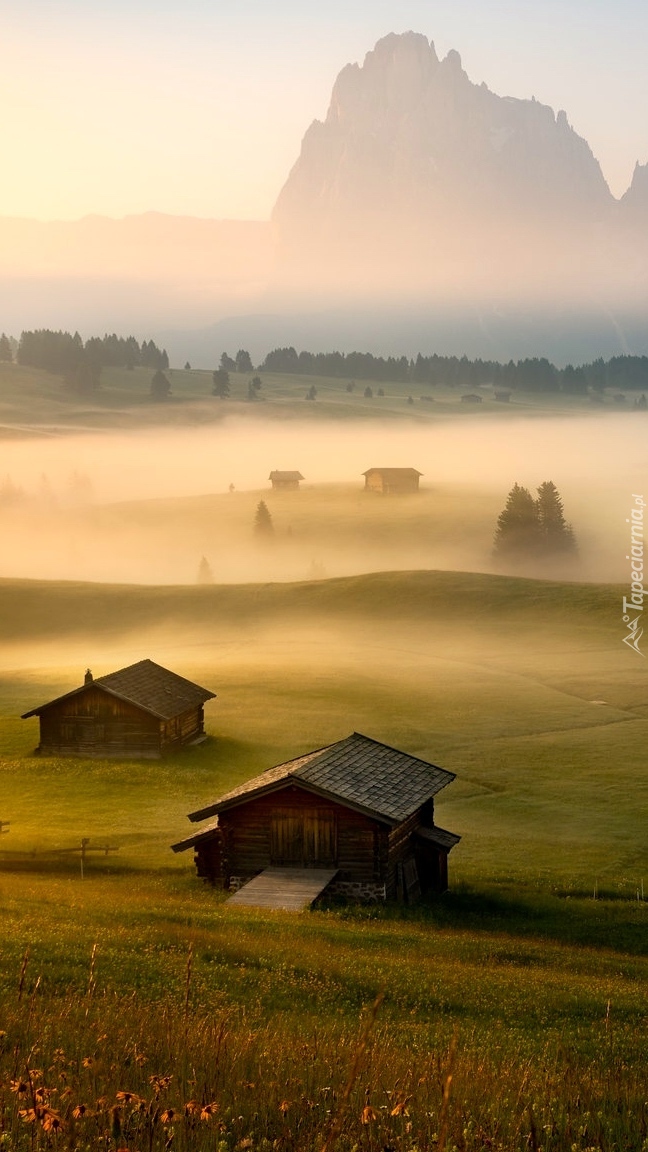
(472, 398)
(357, 807)
(285, 481)
(392, 481)
(140, 711)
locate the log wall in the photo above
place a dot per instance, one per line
(293, 827)
(94, 723)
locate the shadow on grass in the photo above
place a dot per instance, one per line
(613, 923)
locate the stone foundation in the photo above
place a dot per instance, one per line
(365, 891)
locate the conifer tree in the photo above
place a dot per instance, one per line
(160, 386)
(205, 574)
(5, 348)
(243, 361)
(227, 363)
(529, 529)
(221, 383)
(263, 526)
(556, 535)
(517, 533)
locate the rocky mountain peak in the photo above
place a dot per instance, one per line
(408, 135)
(635, 200)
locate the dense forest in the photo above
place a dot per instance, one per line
(80, 364)
(532, 375)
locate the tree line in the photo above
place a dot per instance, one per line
(536, 374)
(81, 363)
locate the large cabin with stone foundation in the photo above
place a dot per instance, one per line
(141, 711)
(356, 807)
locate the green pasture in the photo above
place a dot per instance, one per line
(512, 1009)
(38, 399)
(159, 1017)
(522, 688)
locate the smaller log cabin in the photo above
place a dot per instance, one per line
(357, 806)
(285, 481)
(141, 711)
(392, 481)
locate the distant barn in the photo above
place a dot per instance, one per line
(285, 481)
(140, 711)
(471, 398)
(360, 811)
(392, 481)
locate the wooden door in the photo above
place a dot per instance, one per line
(319, 838)
(305, 839)
(287, 837)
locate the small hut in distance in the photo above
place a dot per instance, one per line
(285, 481)
(142, 711)
(392, 481)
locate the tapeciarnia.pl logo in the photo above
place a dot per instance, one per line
(633, 605)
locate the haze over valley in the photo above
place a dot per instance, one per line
(464, 220)
(99, 505)
(323, 485)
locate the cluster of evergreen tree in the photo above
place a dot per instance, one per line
(80, 363)
(361, 365)
(533, 529)
(536, 374)
(242, 362)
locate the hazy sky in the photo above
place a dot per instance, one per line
(118, 106)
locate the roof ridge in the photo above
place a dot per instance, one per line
(399, 751)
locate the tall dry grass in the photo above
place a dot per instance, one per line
(96, 1068)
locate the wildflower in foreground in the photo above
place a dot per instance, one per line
(160, 1083)
(368, 1114)
(51, 1120)
(129, 1098)
(400, 1109)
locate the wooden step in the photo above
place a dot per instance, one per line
(292, 889)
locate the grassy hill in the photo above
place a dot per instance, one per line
(33, 398)
(523, 688)
(509, 1012)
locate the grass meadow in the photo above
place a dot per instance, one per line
(36, 399)
(138, 1011)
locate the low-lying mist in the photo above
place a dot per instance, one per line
(145, 507)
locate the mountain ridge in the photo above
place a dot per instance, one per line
(419, 191)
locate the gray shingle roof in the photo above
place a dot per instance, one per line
(149, 686)
(358, 771)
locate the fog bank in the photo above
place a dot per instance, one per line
(146, 507)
